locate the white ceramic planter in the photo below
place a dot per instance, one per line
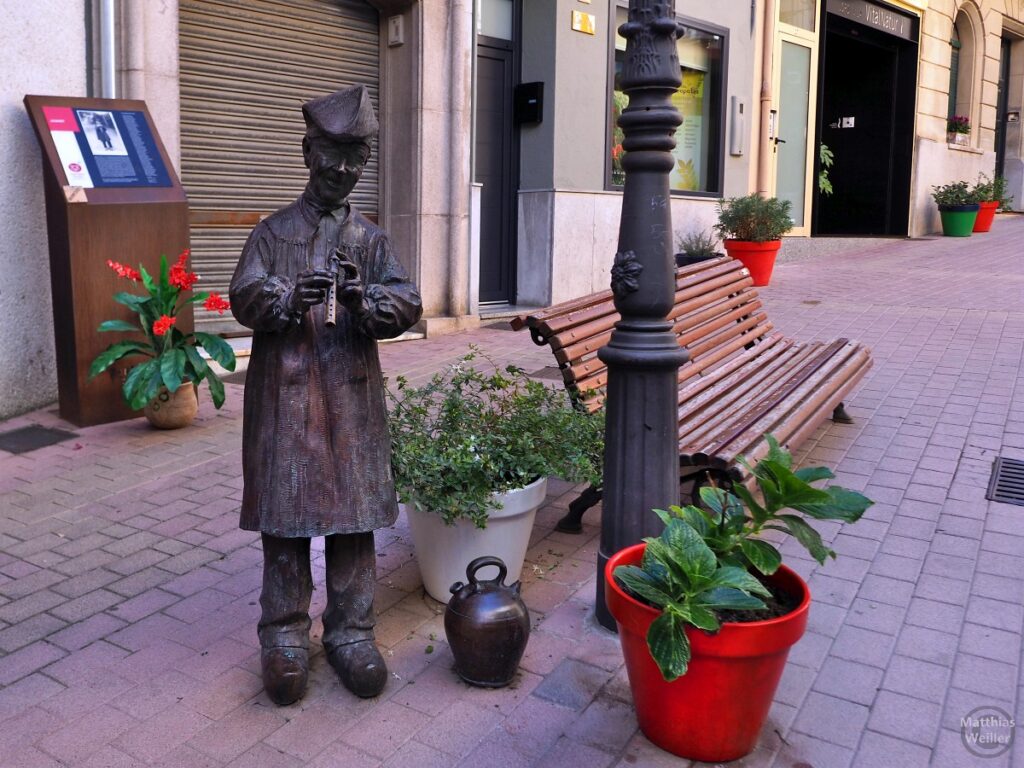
(444, 551)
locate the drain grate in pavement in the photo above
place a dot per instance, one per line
(1007, 483)
(32, 437)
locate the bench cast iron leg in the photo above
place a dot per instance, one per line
(571, 523)
(840, 416)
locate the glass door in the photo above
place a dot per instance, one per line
(796, 77)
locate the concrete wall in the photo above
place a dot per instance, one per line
(568, 222)
(44, 53)
(425, 146)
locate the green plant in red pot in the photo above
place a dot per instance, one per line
(991, 195)
(752, 228)
(707, 613)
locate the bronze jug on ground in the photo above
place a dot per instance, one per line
(487, 625)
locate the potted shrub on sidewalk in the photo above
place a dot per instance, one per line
(696, 246)
(991, 196)
(752, 228)
(958, 208)
(707, 613)
(163, 382)
(471, 454)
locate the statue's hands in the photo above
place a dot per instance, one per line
(350, 285)
(310, 289)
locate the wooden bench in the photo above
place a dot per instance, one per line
(744, 379)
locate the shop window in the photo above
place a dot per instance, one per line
(698, 152)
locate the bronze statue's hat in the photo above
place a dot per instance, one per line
(345, 115)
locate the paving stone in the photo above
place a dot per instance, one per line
(35, 628)
(572, 684)
(382, 734)
(84, 632)
(927, 644)
(920, 679)
(995, 678)
(849, 680)
(79, 740)
(832, 719)
(876, 750)
(905, 718)
(162, 732)
(27, 660)
(863, 645)
(537, 724)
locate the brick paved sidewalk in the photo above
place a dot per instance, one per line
(128, 598)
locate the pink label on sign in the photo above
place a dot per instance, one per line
(60, 119)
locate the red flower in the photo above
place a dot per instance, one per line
(214, 303)
(124, 271)
(163, 325)
(179, 276)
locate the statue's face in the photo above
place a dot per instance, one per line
(334, 167)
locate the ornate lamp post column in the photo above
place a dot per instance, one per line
(641, 441)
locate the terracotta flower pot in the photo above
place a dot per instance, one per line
(986, 213)
(758, 258)
(715, 711)
(173, 410)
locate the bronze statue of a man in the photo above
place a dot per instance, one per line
(316, 455)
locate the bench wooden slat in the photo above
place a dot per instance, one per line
(812, 360)
(771, 417)
(743, 380)
(560, 317)
(794, 427)
(569, 348)
(709, 396)
(719, 419)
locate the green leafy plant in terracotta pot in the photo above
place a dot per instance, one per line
(163, 382)
(707, 613)
(958, 208)
(752, 228)
(471, 453)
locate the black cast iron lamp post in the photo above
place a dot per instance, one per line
(643, 358)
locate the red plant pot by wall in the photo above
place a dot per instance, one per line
(986, 213)
(715, 711)
(758, 258)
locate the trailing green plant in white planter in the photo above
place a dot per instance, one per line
(471, 454)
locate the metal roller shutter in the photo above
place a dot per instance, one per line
(246, 67)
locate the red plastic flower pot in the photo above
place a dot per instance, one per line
(986, 214)
(715, 711)
(758, 258)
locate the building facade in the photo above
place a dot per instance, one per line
(497, 170)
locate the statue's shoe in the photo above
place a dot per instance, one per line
(285, 673)
(360, 667)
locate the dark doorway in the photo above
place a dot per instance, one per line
(497, 167)
(866, 118)
(1002, 101)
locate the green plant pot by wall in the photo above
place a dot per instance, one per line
(958, 220)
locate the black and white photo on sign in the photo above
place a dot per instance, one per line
(101, 132)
